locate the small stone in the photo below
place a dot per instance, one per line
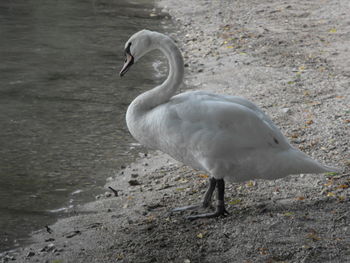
(72, 234)
(134, 182)
(30, 254)
(51, 246)
(286, 110)
(134, 175)
(8, 258)
(48, 248)
(108, 194)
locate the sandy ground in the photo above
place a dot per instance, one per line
(292, 58)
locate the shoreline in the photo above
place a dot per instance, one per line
(291, 59)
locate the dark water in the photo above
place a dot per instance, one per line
(62, 105)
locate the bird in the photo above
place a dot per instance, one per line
(226, 136)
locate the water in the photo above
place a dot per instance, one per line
(62, 104)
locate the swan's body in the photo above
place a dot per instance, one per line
(227, 136)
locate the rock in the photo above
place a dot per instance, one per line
(108, 194)
(98, 196)
(30, 254)
(109, 179)
(8, 258)
(134, 175)
(73, 234)
(134, 182)
(286, 110)
(48, 248)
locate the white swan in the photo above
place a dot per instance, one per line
(227, 136)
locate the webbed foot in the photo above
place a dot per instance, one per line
(185, 208)
(220, 211)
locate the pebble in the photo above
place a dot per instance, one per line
(134, 182)
(109, 179)
(8, 258)
(48, 248)
(98, 196)
(286, 110)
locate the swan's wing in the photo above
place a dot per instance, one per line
(207, 96)
(207, 123)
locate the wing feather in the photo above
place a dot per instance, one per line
(210, 121)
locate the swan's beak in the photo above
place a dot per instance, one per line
(127, 64)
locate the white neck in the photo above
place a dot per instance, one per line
(161, 94)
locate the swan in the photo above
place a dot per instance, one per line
(226, 136)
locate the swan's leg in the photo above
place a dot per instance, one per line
(206, 200)
(220, 208)
(209, 192)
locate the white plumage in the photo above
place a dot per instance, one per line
(227, 136)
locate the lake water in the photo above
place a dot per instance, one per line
(62, 104)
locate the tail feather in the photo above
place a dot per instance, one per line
(297, 162)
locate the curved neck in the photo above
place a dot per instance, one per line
(167, 89)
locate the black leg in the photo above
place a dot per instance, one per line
(209, 192)
(221, 197)
(206, 200)
(220, 208)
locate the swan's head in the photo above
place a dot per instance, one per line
(138, 45)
